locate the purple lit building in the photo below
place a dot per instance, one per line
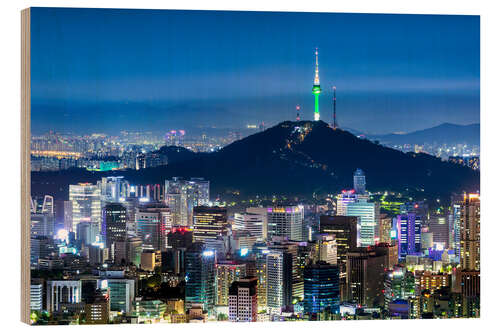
(409, 234)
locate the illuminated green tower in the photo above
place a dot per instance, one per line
(316, 88)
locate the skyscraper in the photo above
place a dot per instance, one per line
(327, 248)
(359, 181)
(321, 288)
(200, 276)
(409, 234)
(345, 230)
(285, 222)
(252, 222)
(470, 223)
(227, 272)
(209, 222)
(316, 90)
(368, 216)
(153, 221)
(86, 204)
(278, 280)
(243, 300)
(183, 195)
(114, 223)
(365, 276)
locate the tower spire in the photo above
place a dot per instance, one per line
(316, 71)
(298, 112)
(316, 90)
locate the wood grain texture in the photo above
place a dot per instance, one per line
(25, 163)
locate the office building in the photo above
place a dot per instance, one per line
(183, 195)
(278, 280)
(153, 221)
(114, 224)
(86, 204)
(321, 288)
(365, 276)
(227, 272)
(63, 291)
(200, 277)
(368, 214)
(243, 300)
(359, 181)
(209, 223)
(285, 222)
(327, 248)
(470, 223)
(409, 234)
(251, 222)
(344, 228)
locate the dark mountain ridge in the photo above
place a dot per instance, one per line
(291, 158)
(444, 133)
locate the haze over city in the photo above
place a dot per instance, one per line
(155, 70)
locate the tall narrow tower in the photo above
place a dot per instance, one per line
(298, 112)
(316, 90)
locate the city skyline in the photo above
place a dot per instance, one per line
(284, 206)
(419, 75)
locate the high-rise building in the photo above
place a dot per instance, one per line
(438, 225)
(368, 214)
(42, 224)
(345, 230)
(153, 221)
(343, 199)
(209, 222)
(200, 277)
(399, 284)
(180, 237)
(470, 222)
(359, 181)
(121, 293)
(150, 260)
(409, 234)
(385, 226)
(63, 291)
(278, 280)
(36, 295)
(327, 248)
(114, 189)
(321, 288)
(365, 276)
(128, 251)
(114, 223)
(183, 195)
(251, 222)
(243, 300)
(86, 204)
(87, 232)
(285, 222)
(454, 222)
(316, 90)
(227, 272)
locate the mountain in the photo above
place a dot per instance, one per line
(444, 133)
(291, 158)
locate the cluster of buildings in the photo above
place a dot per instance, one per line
(128, 150)
(121, 253)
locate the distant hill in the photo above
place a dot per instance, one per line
(291, 158)
(444, 133)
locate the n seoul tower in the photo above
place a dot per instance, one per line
(316, 90)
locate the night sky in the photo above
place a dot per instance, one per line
(97, 70)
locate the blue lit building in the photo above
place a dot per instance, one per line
(200, 276)
(321, 288)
